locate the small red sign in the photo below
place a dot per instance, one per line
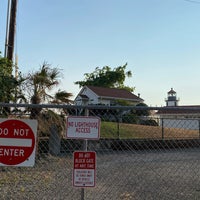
(17, 142)
(84, 172)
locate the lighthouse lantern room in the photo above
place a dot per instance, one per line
(171, 98)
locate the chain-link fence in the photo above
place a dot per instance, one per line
(140, 155)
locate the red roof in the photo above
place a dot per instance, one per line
(114, 93)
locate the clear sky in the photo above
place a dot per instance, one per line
(159, 39)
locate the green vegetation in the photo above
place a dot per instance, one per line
(39, 86)
(36, 87)
(133, 131)
(107, 77)
(9, 84)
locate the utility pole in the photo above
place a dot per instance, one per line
(11, 28)
(10, 41)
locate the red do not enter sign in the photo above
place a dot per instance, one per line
(17, 142)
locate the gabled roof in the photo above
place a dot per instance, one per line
(111, 93)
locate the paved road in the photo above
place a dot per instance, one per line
(127, 175)
(171, 174)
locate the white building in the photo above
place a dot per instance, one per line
(175, 116)
(92, 95)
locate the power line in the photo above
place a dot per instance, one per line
(193, 1)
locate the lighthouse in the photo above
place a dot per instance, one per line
(171, 98)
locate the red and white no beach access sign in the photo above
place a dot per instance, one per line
(17, 142)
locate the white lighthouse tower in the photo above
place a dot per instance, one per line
(171, 98)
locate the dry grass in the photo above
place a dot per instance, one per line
(134, 131)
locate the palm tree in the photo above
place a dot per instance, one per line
(43, 81)
(62, 97)
(38, 88)
(40, 84)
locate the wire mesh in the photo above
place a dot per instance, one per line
(138, 156)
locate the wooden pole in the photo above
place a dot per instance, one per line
(11, 30)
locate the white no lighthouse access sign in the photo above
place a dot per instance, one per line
(82, 127)
(17, 142)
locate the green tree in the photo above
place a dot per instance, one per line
(135, 115)
(107, 77)
(6, 80)
(39, 86)
(61, 97)
(8, 83)
(142, 111)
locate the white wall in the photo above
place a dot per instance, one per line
(190, 124)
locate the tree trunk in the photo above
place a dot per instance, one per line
(54, 141)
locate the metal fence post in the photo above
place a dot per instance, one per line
(150, 157)
(199, 127)
(162, 124)
(118, 134)
(85, 147)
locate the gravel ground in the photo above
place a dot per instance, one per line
(137, 175)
